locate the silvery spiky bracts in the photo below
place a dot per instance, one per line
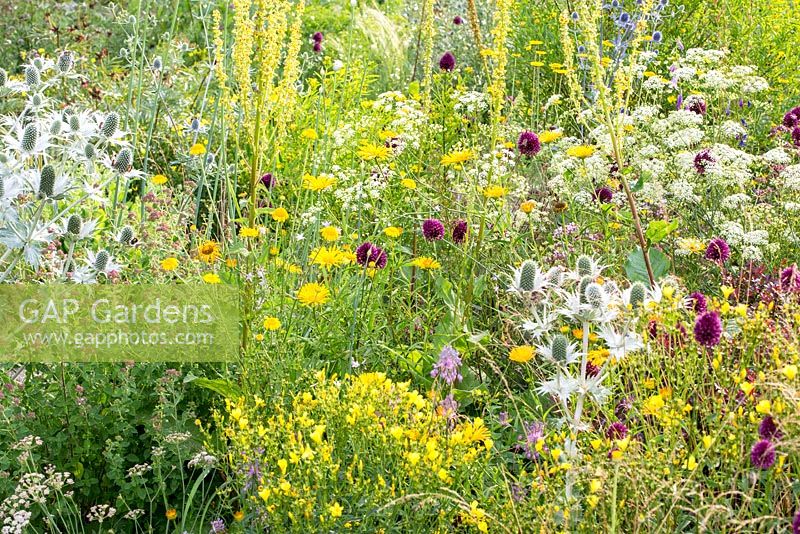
(528, 279)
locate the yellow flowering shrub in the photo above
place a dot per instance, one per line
(343, 448)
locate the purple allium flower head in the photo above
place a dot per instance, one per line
(433, 229)
(458, 21)
(708, 329)
(718, 250)
(617, 430)
(702, 160)
(698, 302)
(317, 47)
(460, 229)
(368, 254)
(318, 37)
(762, 455)
(796, 523)
(697, 105)
(533, 433)
(792, 118)
(796, 136)
(268, 180)
(218, 526)
(790, 278)
(767, 429)
(447, 61)
(604, 195)
(528, 143)
(448, 367)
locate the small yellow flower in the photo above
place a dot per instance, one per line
(280, 215)
(550, 135)
(318, 183)
(335, 510)
(457, 158)
(159, 179)
(521, 354)
(764, 406)
(789, 371)
(592, 501)
(330, 233)
(595, 485)
(309, 133)
(313, 294)
(727, 291)
(197, 149)
(211, 278)
(247, 232)
(691, 463)
(653, 404)
(408, 183)
(369, 151)
(208, 251)
(426, 263)
(393, 231)
(171, 514)
(238, 515)
(169, 264)
(580, 151)
(272, 323)
(527, 206)
(494, 191)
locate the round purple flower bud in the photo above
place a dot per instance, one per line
(458, 21)
(528, 143)
(767, 429)
(790, 278)
(433, 229)
(718, 250)
(698, 302)
(708, 329)
(796, 523)
(604, 195)
(796, 136)
(460, 230)
(318, 37)
(762, 455)
(268, 180)
(317, 47)
(702, 160)
(617, 430)
(368, 254)
(447, 61)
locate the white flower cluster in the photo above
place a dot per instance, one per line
(578, 298)
(56, 162)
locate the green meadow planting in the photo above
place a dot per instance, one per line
(447, 266)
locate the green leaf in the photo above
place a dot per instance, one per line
(636, 269)
(221, 386)
(658, 230)
(640, 183)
